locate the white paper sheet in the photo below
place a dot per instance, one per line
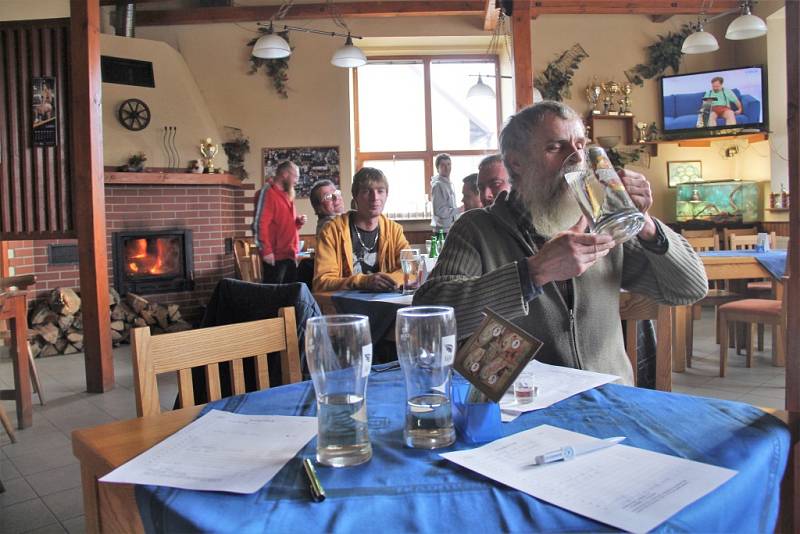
(625, 487)
(396, 299)
(555, 384)
(220, 451)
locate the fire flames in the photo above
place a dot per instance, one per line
(149, 256)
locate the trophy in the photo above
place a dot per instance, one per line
(641, 128)
(593, 93)
(611, 88)
(209, 150)
(625, 102)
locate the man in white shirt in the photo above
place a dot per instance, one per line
(443, 197)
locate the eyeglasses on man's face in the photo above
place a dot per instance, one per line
(330, 196)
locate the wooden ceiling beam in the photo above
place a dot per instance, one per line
(394, 8)
(309, 11)
(491, 16)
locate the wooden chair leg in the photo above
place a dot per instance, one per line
(751, 335)
(760, 336)
(689, 338)
(723, 347)
(37, 386)
(631, 339)
(6, 422)
(779, 342)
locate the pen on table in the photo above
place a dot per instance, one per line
(568, 452)
(317, 492)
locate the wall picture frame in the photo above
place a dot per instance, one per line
(314, 163)
(44, 131)
(684, 172)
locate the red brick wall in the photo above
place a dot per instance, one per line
(213, 213)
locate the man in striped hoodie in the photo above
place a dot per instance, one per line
(529, 256)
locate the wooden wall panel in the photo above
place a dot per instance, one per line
(779, 227)
(35, 188)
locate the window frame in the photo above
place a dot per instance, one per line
(427, 155)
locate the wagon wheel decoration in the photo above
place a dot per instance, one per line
(134, 114)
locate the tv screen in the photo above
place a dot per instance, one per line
(703, 102)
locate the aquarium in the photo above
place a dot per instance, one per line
(719, 202)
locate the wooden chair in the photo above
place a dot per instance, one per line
(4, 420)
(715, 296)
(248, 261)
(15, 283)
(755, 288)
(747, 242)
(727, 232)
(753, 312)
(706, 232)
(208, 347)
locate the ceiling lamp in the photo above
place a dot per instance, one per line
(271, 46)
(537, 96)
(480, 90)
(348, 56)
(700, 41)
(746, 26)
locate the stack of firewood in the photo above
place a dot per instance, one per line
(56, 322)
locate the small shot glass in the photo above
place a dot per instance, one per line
(524, 389)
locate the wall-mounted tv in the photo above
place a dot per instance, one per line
(702, 103)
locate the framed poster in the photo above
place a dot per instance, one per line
(683, 172)
(45, 128)
(314, 163)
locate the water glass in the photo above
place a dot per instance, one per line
(409, 262)
(524, 388)
(426, 348)
(762, 242)
(339, 354)
(601, 195)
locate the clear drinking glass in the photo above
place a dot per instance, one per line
(339, 353)
(426, 347)
(409, 262)
(524, 388)
(601, 195)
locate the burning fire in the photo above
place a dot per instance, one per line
(148, 260)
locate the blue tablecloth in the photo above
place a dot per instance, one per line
(409, 490)
(773, 261)
(381, 314)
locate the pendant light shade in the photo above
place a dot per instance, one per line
(746, 26)
(348, 56)
(700, 42)
(537, 96)
(271, 46)
(480, 90)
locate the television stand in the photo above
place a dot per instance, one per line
(704, 142)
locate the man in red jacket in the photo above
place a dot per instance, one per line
(277, 225)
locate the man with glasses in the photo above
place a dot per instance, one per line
(326, 201)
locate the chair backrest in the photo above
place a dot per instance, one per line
(248, 261)
(747, 242)
(208, 347)
(782, 242)
(727, 232)
(707, 232)
(703, 244)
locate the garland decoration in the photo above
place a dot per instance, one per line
(661, 55)
(556, 79)
(277, 69)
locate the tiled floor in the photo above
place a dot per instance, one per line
(42, 477)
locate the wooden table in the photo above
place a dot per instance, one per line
(15, 310)
(717, 268)
(112, 507)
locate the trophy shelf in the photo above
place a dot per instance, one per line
(168, 177)
(704, 142)
(628, 124)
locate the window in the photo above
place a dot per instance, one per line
(410, 109)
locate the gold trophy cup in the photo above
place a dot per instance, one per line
(611, 89)
(625, 102)
(209, 150)
(641, 128)
(593, 94)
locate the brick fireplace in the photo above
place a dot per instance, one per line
(213, 211)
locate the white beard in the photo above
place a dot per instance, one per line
(553, 208)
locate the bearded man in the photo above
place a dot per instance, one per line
(529, 257)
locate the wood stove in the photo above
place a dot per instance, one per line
(158, 261)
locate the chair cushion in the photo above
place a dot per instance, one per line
(759, 307)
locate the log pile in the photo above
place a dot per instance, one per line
(56, 322)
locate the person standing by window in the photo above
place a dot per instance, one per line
(443, 197)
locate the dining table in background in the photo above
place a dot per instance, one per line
(735, 266)
(414, 490)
